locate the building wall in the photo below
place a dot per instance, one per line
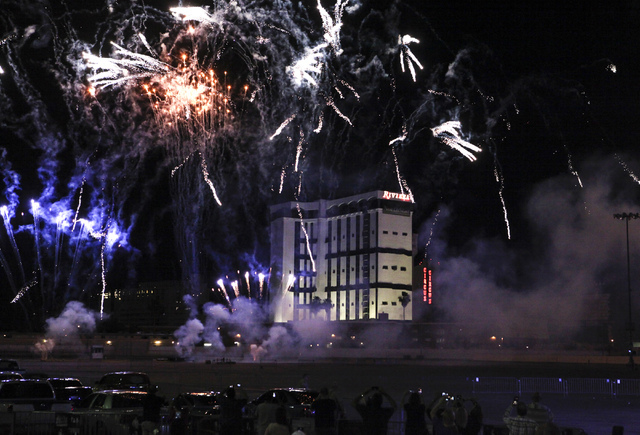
(360, 258)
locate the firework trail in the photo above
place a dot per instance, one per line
(450, 134)
(24, 289)
(192, 118)
(4, 210)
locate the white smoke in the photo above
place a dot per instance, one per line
(65, 330)
(566, 278)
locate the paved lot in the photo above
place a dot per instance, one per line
(596, 414)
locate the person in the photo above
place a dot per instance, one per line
(280, 426)
(304, 381)
(475, 419)
(151, 406)
(231, 411)
(325, 411)
(266, 413)
(415, 412)
(537, 411)
(520, 424)
(375, 417)
(442, 417)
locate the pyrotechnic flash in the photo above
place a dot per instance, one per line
(236, 288)
(115, 72)
(290, 282)
(450, 134)
(261, 282)
(24, 289)
(246, 278)
(406, 56)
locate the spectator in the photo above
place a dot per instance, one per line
(151, 406)
(520, 424)
(442, 417)
(325, 412)
(231, 411)
(304, 381)
(537, 411)
(415, 412)
(278, 427)
(266, 413)
(474, 419)
(375, 417)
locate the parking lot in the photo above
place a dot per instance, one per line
(595, 413)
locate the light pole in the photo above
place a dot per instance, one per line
(627, 217)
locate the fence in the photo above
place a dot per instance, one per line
(565, 386)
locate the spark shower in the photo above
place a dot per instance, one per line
(140, 139)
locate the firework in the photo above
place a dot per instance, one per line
(450, 134)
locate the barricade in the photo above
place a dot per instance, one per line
(542, 385)
(609, 387)
(589, 386)
(626, 387)
(28, 422)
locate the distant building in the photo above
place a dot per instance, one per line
(151, 306)
(343, 259)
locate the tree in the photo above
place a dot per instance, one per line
(404, 300)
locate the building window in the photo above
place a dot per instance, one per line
(404, 234)
(395, 233)
(385, 267)
(394, 267)
(403, 268)
(385, 303)
(385, 232)
(394, 303)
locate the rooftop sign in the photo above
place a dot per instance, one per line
(397, 196)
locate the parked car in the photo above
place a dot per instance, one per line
(33, 394)
(10, 365)
(109, 411)
(123, 381)
(188, 411)
(6, 376)
(70, 389)
(297, 401)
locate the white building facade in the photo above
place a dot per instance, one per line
(344, 259)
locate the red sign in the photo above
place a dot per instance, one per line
(398, 196)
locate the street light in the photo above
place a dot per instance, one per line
(627, 217)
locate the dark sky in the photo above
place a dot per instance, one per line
(547, 89)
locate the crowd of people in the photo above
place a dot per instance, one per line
(446, 414)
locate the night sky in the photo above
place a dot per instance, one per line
(548, 90)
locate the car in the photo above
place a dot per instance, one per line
(188, 410)
(31, 394)
(70, 389)
(297, 401)
(5, 376)
(110, 411)
(127, 380)
(10, 365)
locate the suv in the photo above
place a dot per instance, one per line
(123, 381)
(111, 411)
(29, 393)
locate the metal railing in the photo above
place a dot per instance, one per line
(565, 386)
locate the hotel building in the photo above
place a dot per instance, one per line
(343, 259)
